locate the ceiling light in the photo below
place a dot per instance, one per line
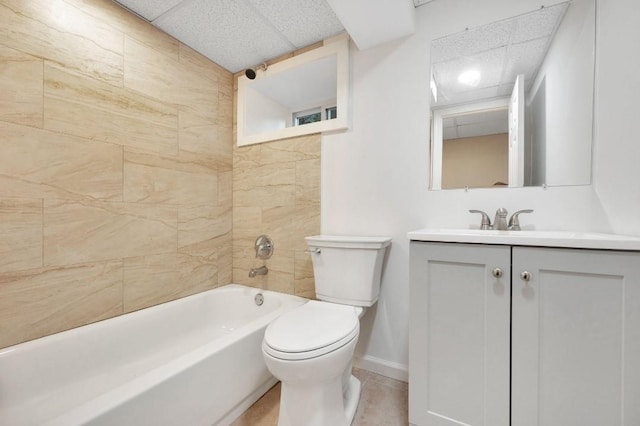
(470, 77)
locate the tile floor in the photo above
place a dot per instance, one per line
(383, 402)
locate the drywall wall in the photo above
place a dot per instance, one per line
(475, 162)
(375, 177)
(566, 71)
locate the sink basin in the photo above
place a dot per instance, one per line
(568, 239)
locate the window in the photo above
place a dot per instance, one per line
(314, 114)
(306, 117)
(315, 80)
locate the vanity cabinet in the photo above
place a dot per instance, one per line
(517, 335)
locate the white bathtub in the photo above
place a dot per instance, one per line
(193, 361)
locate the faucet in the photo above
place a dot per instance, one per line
(500, 221)
(258, 271)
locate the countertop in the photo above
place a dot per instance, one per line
(587, 240)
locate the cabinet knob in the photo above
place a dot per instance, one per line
(526, 275)
(497, 272)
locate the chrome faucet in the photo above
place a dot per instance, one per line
(500, 221)
(258, 271)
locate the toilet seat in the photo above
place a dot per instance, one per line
(312, 330)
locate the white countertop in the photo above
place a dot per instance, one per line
(587, 240)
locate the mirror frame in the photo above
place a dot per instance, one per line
(338, 46)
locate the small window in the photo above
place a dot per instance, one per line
(314, 115)
(331, 113)
(309, 118)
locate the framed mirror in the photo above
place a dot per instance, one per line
(305, 94)
(512, 101)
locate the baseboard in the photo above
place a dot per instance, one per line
(383, 367)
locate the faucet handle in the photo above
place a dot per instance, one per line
(486, 222)
(514, 223)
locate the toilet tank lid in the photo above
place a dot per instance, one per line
(348, 241)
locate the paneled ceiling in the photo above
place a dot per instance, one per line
(477, 124)
(498, 52)
(239, 34)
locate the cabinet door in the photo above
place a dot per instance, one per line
(575, 338)
(459, 335)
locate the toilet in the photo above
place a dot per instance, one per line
(310, 348)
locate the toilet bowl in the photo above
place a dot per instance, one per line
(310, 348)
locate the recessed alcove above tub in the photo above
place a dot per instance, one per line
(305, 94)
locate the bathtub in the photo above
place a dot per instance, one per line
(192, 361)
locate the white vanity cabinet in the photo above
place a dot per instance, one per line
(517, 335)
(459, 335)
(575, 339)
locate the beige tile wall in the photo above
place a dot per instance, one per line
(115, 167)
(276, 191)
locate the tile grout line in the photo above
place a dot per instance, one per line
(42, 209)
(43, 89)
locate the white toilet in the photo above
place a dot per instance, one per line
(310, 348)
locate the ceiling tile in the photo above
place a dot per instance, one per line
(471, 41)
(149, 9)
(483, 129)
(477, 124)
(525, 40)
(488, 63)
(541, 24)
(483, 117)
(230, 32)
(506, 89)
(238, 34)
(470, 96)
(525, 58)
(302, 22)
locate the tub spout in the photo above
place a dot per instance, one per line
(258, 271)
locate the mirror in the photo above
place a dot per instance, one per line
(512, 101)
(305, 94)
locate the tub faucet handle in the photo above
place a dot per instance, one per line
(486, 222)
(263, 247)
(514, 223)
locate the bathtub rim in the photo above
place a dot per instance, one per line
(166, 370)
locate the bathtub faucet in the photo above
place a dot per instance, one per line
(258, 271)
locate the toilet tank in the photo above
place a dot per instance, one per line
(347, 270)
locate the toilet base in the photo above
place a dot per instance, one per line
(351, 399)
(319, 405)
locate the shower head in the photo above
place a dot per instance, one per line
(251, 72)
